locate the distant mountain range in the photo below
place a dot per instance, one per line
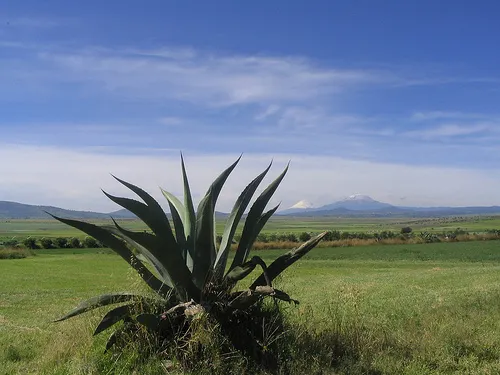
(364, 206)
(353, 206)
(14, 210)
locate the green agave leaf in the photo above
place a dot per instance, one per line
(177, 211)
(117, 245)
(258, 227)
(252, 221)
(152, 217)
(233, 220)
(170, 261)
(113, 338)
(142, 253)
(240, 272)
(113, 317)
(279, 294)
(286, 260)
(244, 299)
(204, 250)
(99, 301)
(150, 321)
(179, 207)
(190, 215)
(151, 213)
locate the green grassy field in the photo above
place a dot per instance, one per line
(402, 309)
(52, 228)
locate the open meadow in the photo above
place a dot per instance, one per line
(53, 228)
(401, 309)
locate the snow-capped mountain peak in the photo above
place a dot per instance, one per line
(359, 197)
(303, 204)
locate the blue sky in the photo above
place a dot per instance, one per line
(397, 100)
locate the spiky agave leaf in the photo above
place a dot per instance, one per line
(99, 301)
(184, 218)
(109, 240)
(240, 272)
(204, 245)
(242, 300)
(150, 321)
(114, 316)
(163, 240)
(233, 221)
(142, 253)
(252, 227)
(177, 211)
(188, 200)
(283, 262)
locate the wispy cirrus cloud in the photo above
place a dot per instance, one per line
(194, 100)
(206, 78)
(447, 115)
(454, 130)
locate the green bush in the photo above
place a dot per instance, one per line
(74, 243)
(406, 230)
(61, 242)
(304, 236)
(13, 242)
(90, 243)
(47, 243)
(30, 243)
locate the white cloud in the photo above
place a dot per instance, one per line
(202, 77)
(302, 117)
(71, 178)
(268, 112)
(446, 115)
(451, 130)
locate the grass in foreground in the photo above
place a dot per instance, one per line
(403, 309)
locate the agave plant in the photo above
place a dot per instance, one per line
(183, 265)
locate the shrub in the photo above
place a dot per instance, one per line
(61, 242)
(191, 280)
(406, 230)
(30, 243)
(90, 243)
(47, 243)
(262, 237)
(74, 243)
(13, 242)
(304, 236)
